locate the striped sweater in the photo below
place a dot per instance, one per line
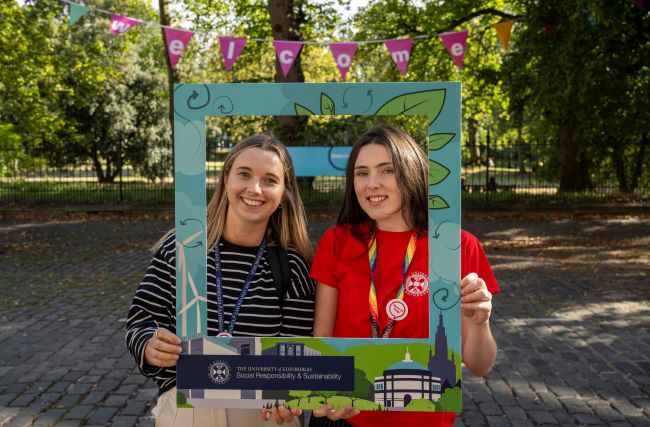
(154, 303)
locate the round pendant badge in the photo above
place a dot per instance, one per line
(224, 334)
(397, 309)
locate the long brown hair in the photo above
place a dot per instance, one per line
(411, 170)
(287, 226)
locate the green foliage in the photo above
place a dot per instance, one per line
(421, 405)
(337, 402)
(590, 62)
(440, 140)
(437, 172)
(437, 202)
(299, 394)
(450, 400)
(362, 387)
(13, 157)
(427, 103)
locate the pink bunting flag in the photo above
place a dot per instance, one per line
(400, 51)
(287, 53)
(456, 43)
(231, 47)
(176, 41)
(343, 54)
(121, 24)
(640, 4)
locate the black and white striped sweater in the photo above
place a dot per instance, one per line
(154, 303)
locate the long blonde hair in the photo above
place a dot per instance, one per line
(287, 226)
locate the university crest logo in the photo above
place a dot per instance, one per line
(417, 284)
(219, 372)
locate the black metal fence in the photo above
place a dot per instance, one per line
(491, 176)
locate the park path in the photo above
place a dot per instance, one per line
(572, 321)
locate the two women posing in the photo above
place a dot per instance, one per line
(361, 265)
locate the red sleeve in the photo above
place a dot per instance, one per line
(403, 418)
(473, 260)
(323, 265)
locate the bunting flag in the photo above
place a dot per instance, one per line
(456, 43)
(231, 47)
(122, 24)
(503, 31)
(287, 53)
(400, 51)
(343, 54)
(77, 11)
(640, 4)
(176, 41)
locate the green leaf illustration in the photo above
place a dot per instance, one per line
(437, 202)
(439, 140)
(326, 104)
(427, 103)
(437, 172)
(302, 111)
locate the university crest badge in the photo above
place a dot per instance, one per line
(417, 284)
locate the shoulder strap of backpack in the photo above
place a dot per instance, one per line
(279, 259)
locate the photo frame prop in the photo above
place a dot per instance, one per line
(370, 374)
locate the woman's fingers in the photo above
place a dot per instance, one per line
(163, 349)
(471, 283)
(340, 414)
(480, 294)
(322, 411)
(167, 336)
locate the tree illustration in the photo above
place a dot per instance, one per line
(326, 395)
(362, 387)
(300, 394)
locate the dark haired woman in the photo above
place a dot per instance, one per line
(377, 255)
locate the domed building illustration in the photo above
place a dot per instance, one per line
(404, 381)
(407, 379)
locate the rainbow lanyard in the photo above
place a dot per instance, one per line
(372, 298)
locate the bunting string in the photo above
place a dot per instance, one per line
(343, 52)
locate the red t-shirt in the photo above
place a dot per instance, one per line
(341, 261)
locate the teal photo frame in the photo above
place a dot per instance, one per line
(396, 369)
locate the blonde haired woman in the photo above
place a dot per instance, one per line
(256, 206)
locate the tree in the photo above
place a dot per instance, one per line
(30, 71)
(362, 387)
(300, 394)
(484, 103)
(583, 68)
(116, 100)
(449, 400)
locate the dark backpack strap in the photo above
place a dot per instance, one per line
(279, 259)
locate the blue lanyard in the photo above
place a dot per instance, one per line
(242, 294)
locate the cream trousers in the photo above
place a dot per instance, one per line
(168, 415)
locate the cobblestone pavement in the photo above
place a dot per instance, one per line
(572, 321)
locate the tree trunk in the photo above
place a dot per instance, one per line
(286, 22)
(573, 165)
(172, 74)
(638, 167)
(520, 152)
(474, 150)
(619, 168)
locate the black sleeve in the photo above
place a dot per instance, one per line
(153, 306)
(298, 309)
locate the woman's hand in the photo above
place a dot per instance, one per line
(476, 300)
(280, 414)
(340, 414)
(162, 349)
